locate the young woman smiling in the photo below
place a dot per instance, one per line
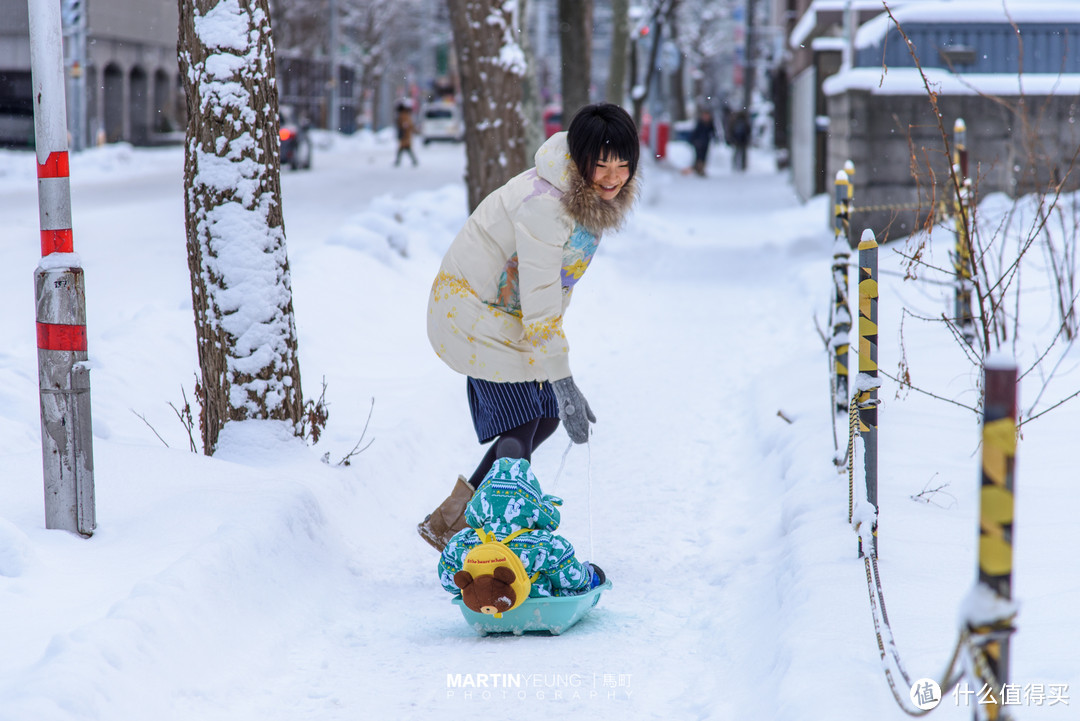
(496, 307)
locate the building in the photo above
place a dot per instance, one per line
(815, 32)
(128, 72)
(1013, 78)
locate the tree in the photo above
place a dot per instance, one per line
(660, 11)
(704, 35)
(531, 103)
(575, 51)
(620, 42)
(240, 282)
(491, 65)
(378, 38)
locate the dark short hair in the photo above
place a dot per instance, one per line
(602, 130)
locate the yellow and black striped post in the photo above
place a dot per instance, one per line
(996, 502)
(961, 216)
(867, 384)
(960, 153)
(841, 314)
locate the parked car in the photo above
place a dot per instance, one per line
(441, 121)
(552, 121)
(296, 145)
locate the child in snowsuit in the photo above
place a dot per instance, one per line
(510, 499)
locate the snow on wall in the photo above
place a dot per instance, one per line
(967, 12)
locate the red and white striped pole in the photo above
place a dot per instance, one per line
(63, 375)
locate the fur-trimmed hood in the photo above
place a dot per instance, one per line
(582, 202)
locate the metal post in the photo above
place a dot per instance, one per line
(841, 315)
(73, 19)
(749, 73)
(333, 121)
(867, 384)
(961, 212)
(996, 501)
(63, 375)
(847, 54)
(749, 78)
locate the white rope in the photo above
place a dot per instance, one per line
(562, 465)
(588, 476)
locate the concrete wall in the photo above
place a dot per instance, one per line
(152, 23)
(899, 155)
(132, 90)
(14, 35)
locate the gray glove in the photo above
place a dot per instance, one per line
(574, 410)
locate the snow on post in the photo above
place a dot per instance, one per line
(59, 293)
(867, 383)
(241, 284)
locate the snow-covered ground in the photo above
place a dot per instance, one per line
(265, 584)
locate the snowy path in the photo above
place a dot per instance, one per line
(262, 584)
(673, 337)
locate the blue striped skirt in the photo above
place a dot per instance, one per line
(498, 407)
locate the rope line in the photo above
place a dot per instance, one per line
(589, 480)
(588, 476)
(940, 211)
(883, 632)
(562, 465)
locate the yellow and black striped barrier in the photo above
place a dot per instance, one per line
(867, 384)
(996, 503)
(961, 212)
(841, 314)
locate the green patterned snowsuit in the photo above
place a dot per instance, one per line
(509, 499)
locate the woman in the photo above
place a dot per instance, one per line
(701, 136)
(496, 307)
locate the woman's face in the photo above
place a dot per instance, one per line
(609, 176)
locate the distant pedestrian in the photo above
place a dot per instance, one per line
(701, 136)
(739, 137)
(405, 128)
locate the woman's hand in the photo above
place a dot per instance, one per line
(574, 410)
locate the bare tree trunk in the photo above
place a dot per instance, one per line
(678, 92)
(656, 34)
(491, 67)
(677, 99)
(240, 283)
(620, 41)
(530, 103)
(575, 51)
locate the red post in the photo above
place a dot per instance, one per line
(63, 373)
(663, 131)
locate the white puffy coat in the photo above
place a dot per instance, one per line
(496, 307)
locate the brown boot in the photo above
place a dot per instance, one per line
(449, 518)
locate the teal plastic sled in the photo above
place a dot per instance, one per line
(553, 614)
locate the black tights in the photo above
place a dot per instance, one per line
(517, 442)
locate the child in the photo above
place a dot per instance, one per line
(509, 499)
